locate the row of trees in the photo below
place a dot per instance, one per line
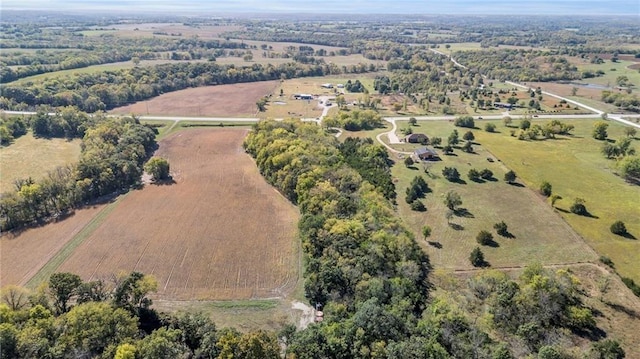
(112, 158)
(105, 90)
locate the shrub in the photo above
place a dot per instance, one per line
(578, 207)
(417, 205)
(485, 238)
(408, 162)
(447, 149)
(619, 228)
(464, 121)
(525, 124)
(607, 261)
(545, 189)
(467, 147)
(436, 141)
(501, 228)
(631, 285)
(510, 177)
(468, 136)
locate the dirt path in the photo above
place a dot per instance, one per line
(307, 315)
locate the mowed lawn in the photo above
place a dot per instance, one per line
(540, 234)
(576, 169)
(33, 157)
(219, 232)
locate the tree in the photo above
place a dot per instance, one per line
(490, 127)
(477, 258)
(262, 104)
(578, 207)
(451, 174)
(549, 352)
(447, 150)
(418, 206)
(426, 232)
(507, 120)
(484, 238)
(619, 228)
(630, 132)
(474, 175)
(408, 161)
(62, 287)
(467, 147)
(436, 141)
(510, 177)
(501, 228)
(413, 121)
(600, 130)
(158, 167)
(15, 297)
(525, 124)
(452, 200)
(468, 136)
(163, 343)
(453, 139)
(486, 174)
(545, 189)
(125, 351)
(132, 292)
(629, 168)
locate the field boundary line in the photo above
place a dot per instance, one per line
(69, 248)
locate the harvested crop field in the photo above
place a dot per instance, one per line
(219, 232)
(23, 254)
(221, 101)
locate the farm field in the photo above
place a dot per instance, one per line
(219, 232)
(540, 234)
(34, 157)
(222, 100)
(24, 253)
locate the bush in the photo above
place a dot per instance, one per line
(619, 228)
(436, 141)
(474, 175)
(477, 258)
(490, 127)
(545, 189)
(468, 136)
(501, 228)
(578, 207)
(525, 124)
(408, 162)
(467, 147)
(631, 285)
(417, 205)
(485, 238)
(447, 149)
(510, 177)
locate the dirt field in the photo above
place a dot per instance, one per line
(219, 232)
(222, 101)
(23, 254)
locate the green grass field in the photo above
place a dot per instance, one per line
(34, 157)
(540, 234)
(575, 168)
(612, 70)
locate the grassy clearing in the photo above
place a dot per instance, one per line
(34, 157)
(576, 169)
(612, 70)
(245, 315)
(540, 234)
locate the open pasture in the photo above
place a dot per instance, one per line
(34, 157)
(576, 168)
(539, 234)
(236, 100)
(218, 232)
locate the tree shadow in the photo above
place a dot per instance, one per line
(507, 235)
(459, 181)
(413, 168)
(491, 179)
(628, 235)
(621, 308)
(435, 244)
(166, 182)
(463, 212)
(478, 180)
(516, 184)
(491, 243)
(455, 226)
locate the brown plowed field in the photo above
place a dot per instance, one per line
(23, 254)
(220, 101)
(219, 232)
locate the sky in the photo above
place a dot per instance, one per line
(466, 7)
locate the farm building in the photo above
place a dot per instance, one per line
(303, 96)
(416, 138)
(425, 154)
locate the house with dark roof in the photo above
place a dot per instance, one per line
(425, 154)
(416, 138)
